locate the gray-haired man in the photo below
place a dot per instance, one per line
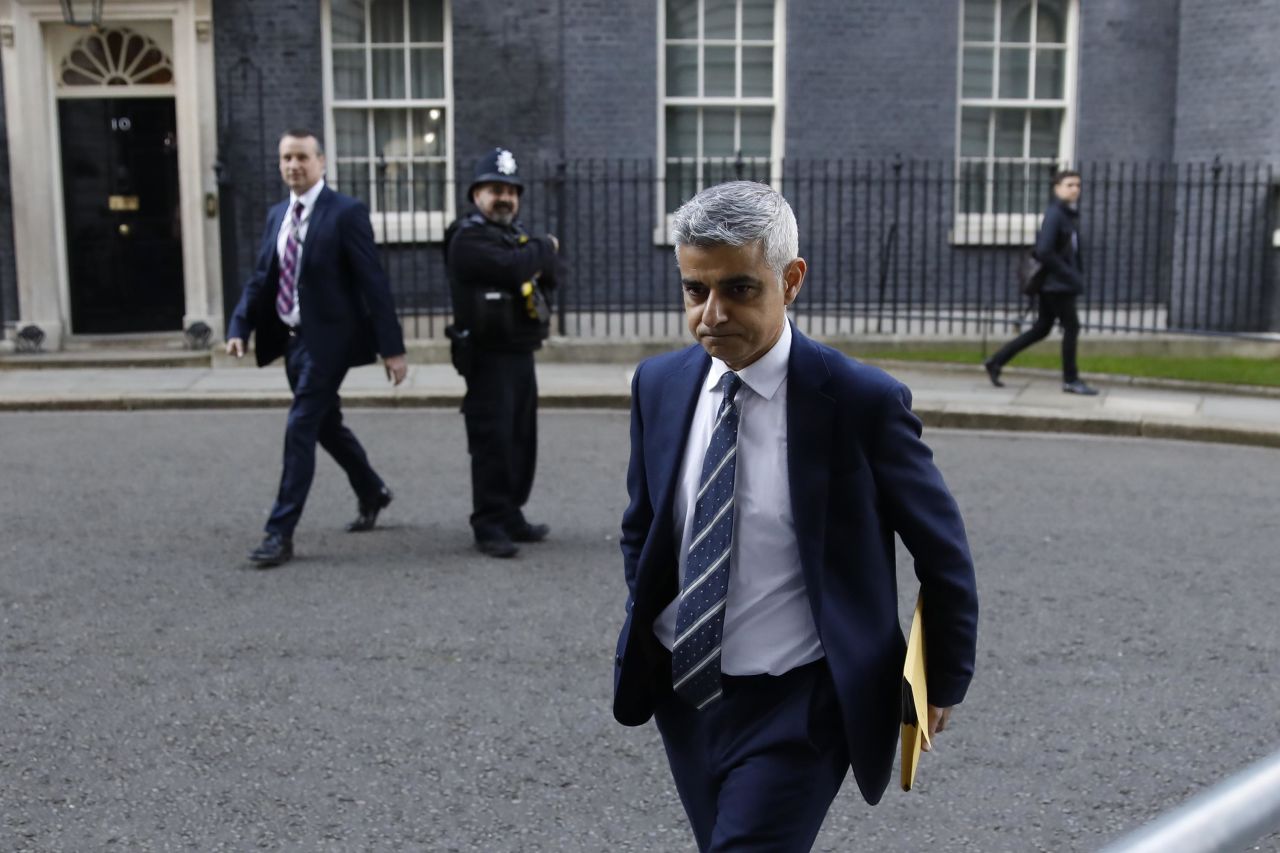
(768, 476)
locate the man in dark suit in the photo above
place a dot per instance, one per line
(768, 476)
(1058, 248)
(319, 297)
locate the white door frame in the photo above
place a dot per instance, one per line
(30, 32)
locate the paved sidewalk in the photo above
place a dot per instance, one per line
(944, 397)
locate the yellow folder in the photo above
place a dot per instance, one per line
(915, 700)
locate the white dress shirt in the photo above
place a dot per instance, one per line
(308, 199)
(768, 626)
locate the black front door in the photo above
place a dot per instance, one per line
(124, 234)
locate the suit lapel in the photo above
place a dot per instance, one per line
(810, 427)
(316, 224)
(666, 445)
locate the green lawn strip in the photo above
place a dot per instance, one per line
(1226, 370)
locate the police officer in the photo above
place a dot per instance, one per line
(498, 276)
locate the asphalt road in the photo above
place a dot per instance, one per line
(396, 691)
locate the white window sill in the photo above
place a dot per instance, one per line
(420, 227)
(995, 229)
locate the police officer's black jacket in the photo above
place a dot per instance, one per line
(1058, 248)
(485, 257)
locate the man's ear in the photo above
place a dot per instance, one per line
(793, 279)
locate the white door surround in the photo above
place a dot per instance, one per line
(33, 43)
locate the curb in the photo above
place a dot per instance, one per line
(943, 416)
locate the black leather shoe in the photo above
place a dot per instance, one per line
(1078, 387)
(497, 547)
(274, 550)
(368, 513)
(993, 371)
(530, 533)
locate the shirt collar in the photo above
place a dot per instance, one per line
(308, 198)
(763, 376)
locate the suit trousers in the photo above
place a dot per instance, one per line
(315, 416)
(758, 769)
(1059, 307)
(501, 411)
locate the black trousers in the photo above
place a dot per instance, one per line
(501, 411)
(315, 417)
(1059, 307)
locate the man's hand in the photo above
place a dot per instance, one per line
(235, 346)
(938, 719)
(555, 242)
(397, 368)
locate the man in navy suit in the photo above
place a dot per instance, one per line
(319, 297)
(768, 476)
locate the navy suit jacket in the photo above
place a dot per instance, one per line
(348, 316)
(859, 473)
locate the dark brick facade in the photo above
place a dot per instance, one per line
(866, 82)
(1228, 81)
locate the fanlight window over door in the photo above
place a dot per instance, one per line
(116, 57)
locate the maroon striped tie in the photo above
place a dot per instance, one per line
(288, 294)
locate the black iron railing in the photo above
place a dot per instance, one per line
(895, 247)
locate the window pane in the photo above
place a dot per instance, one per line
(682, 132)
(347, 21)
(1009, 129)
(682, 184)
(682, 19)
(979, 20)
(974, 125)
(1046, 126)
(757, 133)
(757, 19)
(393, 191)
(1015, 21)
(352, 131)
(1050, 73)
(428, 72)
(718, 71)
(388, 73)
(718, 171)
(1051, 27)
(353, 179)
(682, 70)
(386, 21)
(390, 133)
(1009, 192)
(757, 72)
(428, 186)
(348, 75)
(426, 20)
(720, 22)
(973, 197)
(1038, 185)
(428, 133)
(717, 133)
(1015, 73)
(979, 65)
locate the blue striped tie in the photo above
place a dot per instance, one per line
(695, 656)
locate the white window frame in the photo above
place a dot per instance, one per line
(776, 102)
(394, 226)
(989, 228)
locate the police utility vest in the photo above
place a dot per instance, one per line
(498, 296)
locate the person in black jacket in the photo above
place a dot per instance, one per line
(1058, 248)
(498, 275)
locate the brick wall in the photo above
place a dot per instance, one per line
(1128, 76)
(269, 79)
